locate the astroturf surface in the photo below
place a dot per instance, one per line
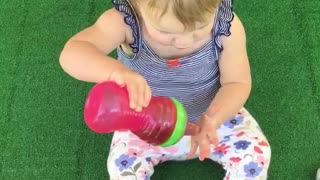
(43, 135)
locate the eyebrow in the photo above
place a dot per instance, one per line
(201, 27)
(158, 29)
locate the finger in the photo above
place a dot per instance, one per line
(214, 141)
(204, 147)
(140, 97)
(213, 138)
(147, 96)
(132, 90)
(193, 149)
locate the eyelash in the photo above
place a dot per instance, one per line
(164, 32)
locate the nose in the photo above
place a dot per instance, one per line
(183, 42)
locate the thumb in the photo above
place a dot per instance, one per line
(192, 129)
(213, 137)
(119, 81)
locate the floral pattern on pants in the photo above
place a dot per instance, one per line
(243, 151)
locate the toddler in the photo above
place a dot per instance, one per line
(191, 50)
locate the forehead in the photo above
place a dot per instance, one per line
(167, 21)
(164, 21)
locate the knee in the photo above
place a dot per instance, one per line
(119, 166)
(125, 167)
(268, 152)
(259, 151)
(254, 163)
(263, 153)
(256, 166)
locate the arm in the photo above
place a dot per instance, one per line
(235, 88)
(84, 58)
(84, 55)
(235, 76)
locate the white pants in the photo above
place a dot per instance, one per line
(243, 151)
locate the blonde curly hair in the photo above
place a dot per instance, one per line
(188, 12)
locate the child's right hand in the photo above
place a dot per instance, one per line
(138, 88)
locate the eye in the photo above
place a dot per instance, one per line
(203, 27)
(163, 32)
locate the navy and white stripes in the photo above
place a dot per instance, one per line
(196, 81)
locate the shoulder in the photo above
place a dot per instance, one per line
(234, 45)
(111, 16)
(237, 33)
(114, 19)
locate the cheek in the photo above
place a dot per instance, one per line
(161, 38)
(202, 35)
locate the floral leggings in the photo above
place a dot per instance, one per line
(243, 151)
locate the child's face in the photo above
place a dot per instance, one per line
(169, 31)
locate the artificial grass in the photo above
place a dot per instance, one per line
(43, 135)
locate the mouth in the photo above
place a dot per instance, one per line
(182, 48)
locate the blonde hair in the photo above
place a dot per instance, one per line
(188, 12)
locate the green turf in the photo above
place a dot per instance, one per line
(42, 131)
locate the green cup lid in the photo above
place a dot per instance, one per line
(180, 126)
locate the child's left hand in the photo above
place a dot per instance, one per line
(206, 137)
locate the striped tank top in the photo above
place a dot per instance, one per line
(194, 79)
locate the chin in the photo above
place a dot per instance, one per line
(182, 48)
